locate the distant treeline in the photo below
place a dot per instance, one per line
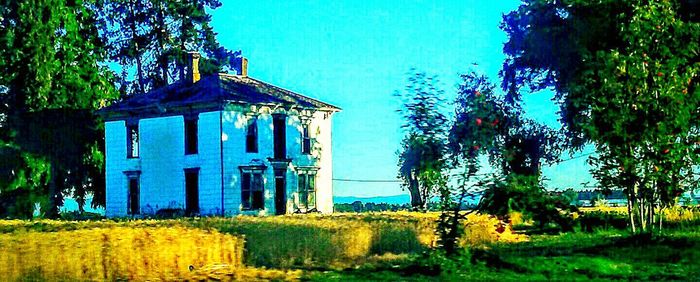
(359, 206)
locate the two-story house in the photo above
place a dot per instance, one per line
(218, 145)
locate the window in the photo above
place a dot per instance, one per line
(251, 138)
(307, 190)
(132, 141)
(190, 136)
(133, 197)
(279, 132)
(305, 140)
(252, 192)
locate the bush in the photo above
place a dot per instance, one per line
(602, 220)
(170, 213)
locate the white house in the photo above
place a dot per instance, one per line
(220, 145)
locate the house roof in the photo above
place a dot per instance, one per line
(210, 92)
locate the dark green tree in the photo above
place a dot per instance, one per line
(151, 38)
(625, 74)
(52, 83)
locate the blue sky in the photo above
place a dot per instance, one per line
(356, 54)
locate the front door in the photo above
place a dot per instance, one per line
(280, 193)
(191, 192)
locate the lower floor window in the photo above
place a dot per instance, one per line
(307, 190)
(252, 191)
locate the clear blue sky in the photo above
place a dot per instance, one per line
(356, 54)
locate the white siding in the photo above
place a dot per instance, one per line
(161, 164)
(209, 157)
(162, 161)
(234, 130)
(162, 156)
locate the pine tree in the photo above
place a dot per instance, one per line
(54, 81)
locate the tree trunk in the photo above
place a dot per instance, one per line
(630, 214)
(642, 218)
(139, 64)
(414, 190)
(54, 193)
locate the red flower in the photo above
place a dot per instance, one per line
(495, 122)
(666, 151)
(478, 121)
(475, 147)
(659, 74)
(477, 93)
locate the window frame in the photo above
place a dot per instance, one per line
(305, 139)
(254, 176)
(133, 146)
(251, 135)
(306, 189)
(191, 145)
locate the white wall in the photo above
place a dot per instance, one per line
(162, 161)
(234, 129)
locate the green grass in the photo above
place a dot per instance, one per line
(601, 256)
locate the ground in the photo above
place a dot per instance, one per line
(345, 247)
(610, 255)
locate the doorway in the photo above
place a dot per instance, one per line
(191, 191)
(280, 192)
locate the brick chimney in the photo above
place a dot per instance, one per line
(193, 67)
(243, 70)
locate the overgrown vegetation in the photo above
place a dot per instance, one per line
(625, 74)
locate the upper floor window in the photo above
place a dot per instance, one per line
(251, 136)
(307, 190)
(132, 140)
(252, 190)
(190, 136)
(305, 140)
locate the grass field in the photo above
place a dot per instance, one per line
(602, 256)
(373, 246)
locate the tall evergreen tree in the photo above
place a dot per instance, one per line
(150, 40)
(52, 83)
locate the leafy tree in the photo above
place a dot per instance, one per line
(422, 159)
(151, 38)
(492, 125)
(626, 76)
(53, 81)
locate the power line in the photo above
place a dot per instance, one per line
(366, 180)
(455, 174)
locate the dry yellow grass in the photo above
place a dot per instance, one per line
(116, 253)
(131, 249)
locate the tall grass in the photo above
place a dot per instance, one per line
(293, 241)
(117, 253)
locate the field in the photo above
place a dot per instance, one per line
(373, 246)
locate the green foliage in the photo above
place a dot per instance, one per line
(626, 76)
(491, 124)
(51, 54)
(602, 220)
(422, 158)
(151, 38)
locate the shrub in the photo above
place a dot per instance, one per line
(599, 219)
